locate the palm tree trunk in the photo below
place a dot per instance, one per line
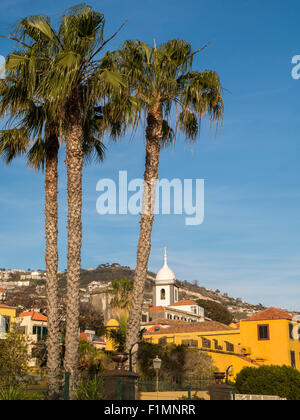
(153, 147)
(51, 232)
(74, 162)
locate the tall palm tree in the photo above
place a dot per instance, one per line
(36, 133)
(162, 79)
(74, 81)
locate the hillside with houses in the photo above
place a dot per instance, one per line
(27, 288)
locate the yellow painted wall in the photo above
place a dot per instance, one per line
(275, 351)
(11, 312)
(222, 359)
(112, 323)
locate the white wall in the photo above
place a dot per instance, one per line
(165, 302)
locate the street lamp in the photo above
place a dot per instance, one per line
(157, 366)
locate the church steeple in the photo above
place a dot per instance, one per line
(165, 274)
(165, 291)
(165, 257)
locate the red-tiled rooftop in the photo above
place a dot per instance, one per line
(83, 336)
(2, 305)
(35, 316)
(185, 303)
(194, 327)
(156, 309)
(2, 290)
(269, 314)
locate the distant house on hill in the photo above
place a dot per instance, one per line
(2, 294)
(35, 327)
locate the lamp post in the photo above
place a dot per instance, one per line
(157, 366)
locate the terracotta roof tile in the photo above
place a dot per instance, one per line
(193, 328)
(184, 303)
(35, 316)
(156, 309)
(83, 336)
(2, 290)
(2, 305)
(269, 314)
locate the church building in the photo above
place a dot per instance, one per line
(166, 303)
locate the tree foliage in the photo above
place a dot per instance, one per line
(120, 292)
(92, 360)
(216, 311)
(13, 356)
(176, 361)
(281, 381)
(91, 319)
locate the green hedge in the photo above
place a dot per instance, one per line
(282, 381)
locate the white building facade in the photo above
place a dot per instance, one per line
(166, 304)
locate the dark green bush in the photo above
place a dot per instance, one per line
(177, 361)
(282, 381)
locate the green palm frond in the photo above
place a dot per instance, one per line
(165, 75)
(188, 124)
(36, 156)
(13, 143)
(168, 134)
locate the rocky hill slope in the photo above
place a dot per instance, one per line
(91, 280)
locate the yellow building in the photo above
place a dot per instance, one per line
(112, 324)
(7, 318)
(270, 337)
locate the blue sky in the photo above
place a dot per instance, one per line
(249, 243)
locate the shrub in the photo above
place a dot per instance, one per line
(281, 381)
(15, 392)
(177, 360)
(90, 389)
(93, 360)
(13, 356)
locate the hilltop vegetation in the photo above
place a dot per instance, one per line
(104, 273)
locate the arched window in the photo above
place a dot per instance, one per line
(162, 294)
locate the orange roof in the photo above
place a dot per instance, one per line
(269, 314)
(35, 316)
(2, 305)
(83, 336)
(156, 309)
(153, 329)
(193, 327)
(2, 290)
(184, 303)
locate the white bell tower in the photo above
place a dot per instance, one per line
(165, 291)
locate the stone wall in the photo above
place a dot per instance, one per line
(243, 397)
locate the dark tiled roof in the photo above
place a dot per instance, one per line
(194, 327)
